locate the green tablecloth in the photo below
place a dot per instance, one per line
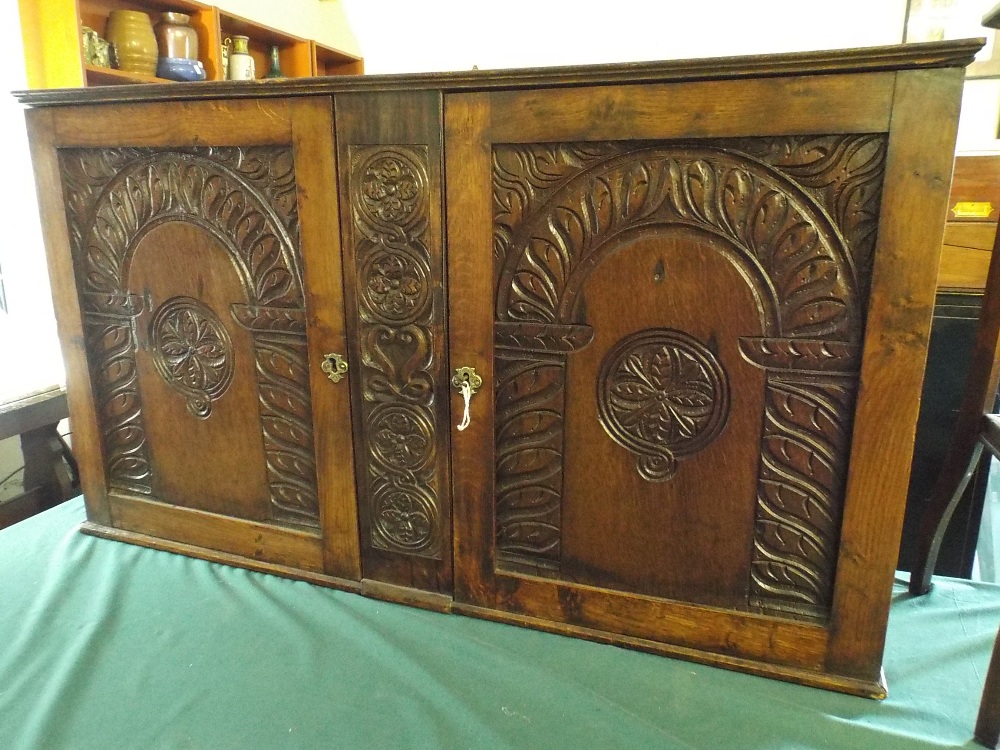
(107, 645)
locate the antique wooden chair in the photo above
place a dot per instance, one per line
(975, 429)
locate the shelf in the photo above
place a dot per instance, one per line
(53, 50)
(294, 53)
(110, 77)
(204, 20)
(332, 62)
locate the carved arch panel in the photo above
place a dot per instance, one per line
(244, 198)
(798, 215)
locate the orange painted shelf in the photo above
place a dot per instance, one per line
(53, 49)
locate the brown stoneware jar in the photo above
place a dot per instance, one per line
(175, 37)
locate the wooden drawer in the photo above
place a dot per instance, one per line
(971, 224)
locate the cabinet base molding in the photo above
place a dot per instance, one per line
(225, 558)
(444, 604)
(389, 592)
(851, 686)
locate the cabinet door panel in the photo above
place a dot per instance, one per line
(191, 255)
(670, 335)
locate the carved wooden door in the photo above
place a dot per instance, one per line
(665, 290)
(207, 267)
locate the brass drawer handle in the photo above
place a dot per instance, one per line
(467, 382)
(335, 366)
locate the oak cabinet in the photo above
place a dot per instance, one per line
(697, 295)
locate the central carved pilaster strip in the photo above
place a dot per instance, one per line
(390, 197)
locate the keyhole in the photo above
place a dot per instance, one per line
(713, 344)
(658, 272)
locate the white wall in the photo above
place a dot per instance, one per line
(311, 19)
(977, 126)
(430, 35)
(397, 36)
(29, 352)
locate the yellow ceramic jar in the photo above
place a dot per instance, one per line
(135, 44)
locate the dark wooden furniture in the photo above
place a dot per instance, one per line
(976, 427)
(50, 471)
(695, 296)
(988, 722)
(969, 232)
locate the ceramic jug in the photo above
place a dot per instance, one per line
(132, 34)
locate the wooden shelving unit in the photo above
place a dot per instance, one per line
(332, 62)
(294, 52)
(96, 76)
(54, 52)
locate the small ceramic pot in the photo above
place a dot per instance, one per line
(135, 44)
(241, 65)
(175, 37)
(102, 53)
(180, 69)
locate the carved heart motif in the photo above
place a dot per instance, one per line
(402, 357)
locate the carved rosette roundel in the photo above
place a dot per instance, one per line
(395, 285)
(392, 189)
(406, 515)
(662, 395)
(401, 438)
(192, 352)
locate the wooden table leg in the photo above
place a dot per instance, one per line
(49, 475)
(988, 723)
(44, 465)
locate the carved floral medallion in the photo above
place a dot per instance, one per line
(391, 188)
(662, 395)
(406, 516)
(192, 352)
(395, 285)
(401, 438)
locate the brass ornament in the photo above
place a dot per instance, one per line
(335, 367)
